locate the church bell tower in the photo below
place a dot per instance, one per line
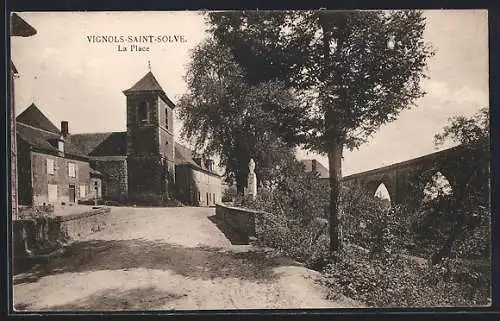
(150, 140)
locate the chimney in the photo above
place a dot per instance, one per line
(64, 128)
(313, 166)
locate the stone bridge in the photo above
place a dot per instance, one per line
(405, 181)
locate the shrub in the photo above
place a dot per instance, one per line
(230, 194)
(371, 223)
(399, 281)
(292, 204)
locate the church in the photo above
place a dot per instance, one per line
(143, 165)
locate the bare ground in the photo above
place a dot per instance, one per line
(167, 259)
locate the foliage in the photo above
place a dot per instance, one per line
(449, 222)
(38, 213)
(229, 194)
(352, 72)
(375, 267)
(400, 281)
(226, 116)
(296, 204)
(340, 61)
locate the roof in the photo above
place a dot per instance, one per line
(20, 28)
(149, 83)
(101, 144)
(41, 140)
(115, 144)
(320, 169)
(32, 116)
(185, 156)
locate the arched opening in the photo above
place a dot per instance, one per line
(142, 111)
(438, 185)
(382, 193)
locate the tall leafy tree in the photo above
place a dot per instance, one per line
(225, 115)
(352, 70)
(469, 206)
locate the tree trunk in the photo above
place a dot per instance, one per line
(335, 170)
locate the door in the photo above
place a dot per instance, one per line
(72, 193)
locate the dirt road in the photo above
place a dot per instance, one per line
(167, 259)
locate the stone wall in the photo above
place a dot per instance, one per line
(241, 221)
(115, 184)
(43, 235)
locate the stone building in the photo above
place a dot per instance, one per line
(141, 164)
(196, 182)
(51, 170)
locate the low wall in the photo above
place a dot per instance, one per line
(43, 235)
(82, 224)
(242, 221)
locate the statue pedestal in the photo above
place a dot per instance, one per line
(252, 185)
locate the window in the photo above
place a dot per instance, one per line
(52, 193)
(142, 111)
(83, 191)
(214, 198)
(199, 196)
(51, 168)
(71, 170)
(60, 145)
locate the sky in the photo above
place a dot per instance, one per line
(70, 78)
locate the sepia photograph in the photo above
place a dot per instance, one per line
(242, 160)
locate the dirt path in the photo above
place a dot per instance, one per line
(163, 259)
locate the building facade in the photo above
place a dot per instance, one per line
(51, 170)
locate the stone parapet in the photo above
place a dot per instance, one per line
(242, 221)
(38, 237)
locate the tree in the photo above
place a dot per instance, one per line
(468, 207)
(352, 71)
(224, 115)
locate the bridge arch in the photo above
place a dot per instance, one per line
(382, 188)
(437, 184)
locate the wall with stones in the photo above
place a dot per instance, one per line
(115, 183)
(240, 221)
(38, 237)
(147, 176)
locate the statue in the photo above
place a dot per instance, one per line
(252, 180)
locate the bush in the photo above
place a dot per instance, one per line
(372, 224)
(293, 203)
(230, 194)
(399, 281)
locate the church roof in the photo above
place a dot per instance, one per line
(32, 116)
(102, 144)
(149, 83)
(115, 144)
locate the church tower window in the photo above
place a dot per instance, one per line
(143, 112)
(166, 118)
